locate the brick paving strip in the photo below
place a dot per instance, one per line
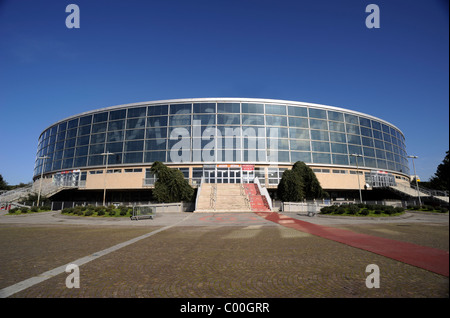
(432, 259)
(13, 289)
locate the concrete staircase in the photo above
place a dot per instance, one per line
(223, 197)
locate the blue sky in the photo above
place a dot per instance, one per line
(311, 51)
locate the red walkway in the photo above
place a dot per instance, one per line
(428, 258)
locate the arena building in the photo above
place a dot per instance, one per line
(218, 140)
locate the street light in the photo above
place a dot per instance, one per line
(415, 176)
(104, 178)
(357, 174)
(40, 181)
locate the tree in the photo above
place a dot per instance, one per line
(170, 186)
(3, 183)
(299, 183)
(440, 180)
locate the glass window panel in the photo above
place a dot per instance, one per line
(317, 113)
(228, 108)
(338, 148)
(352, 119)
(381, 154)
(101, 127)
(298, 122)
(96, 160)
(336, 116)
(376, 125)
(137, 112)
(83, 140)
(337, 137)
(281, 144)
(70, 143)
(369, 152)
(180, 120)
(155, 156)
(71, 133)
(98, 138)
(319, 135)
(117, 114)
(277, 132)
(353, 139)
(100, 117)
(157, 110)
(386, 137)
(320, 146)
(253, 108)
(116, 125)
(115, 136)
(85, 120)
(155, 144)
(180, 109)
(276, 121)
(114, 147)
(364, 122)
(366, 131)
(69, 153)
(386, 128)
(377, 134)
(96, 149)
(157, 121)
(230, 119)
(334, 126)
(352, 149)
(80, 162)
(340, 159)
(205, 108)
(283, 156)
(370, 162)
(62, 126)
(275, 109)
(81, 151)
(134, 146)
(301, 156)
(353, 129)
(206, 119)
(134, 134)
(132, 157)
(299, 133)
(58, 155)
(318, 124)
(381, 164)
(72, 123)
(321, 158)
(389, 155)
(252, 120)
(297, 111)
(115, 158)
(53, 130)
(84, 130)
(367, 141)
(379, 144)
(136, 123)
(300, 145)
(67, 163)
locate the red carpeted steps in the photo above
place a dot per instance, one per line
(258, 202)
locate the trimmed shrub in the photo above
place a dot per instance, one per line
(24, 210)
(443, 209)
(353, 209)
(88, 212)
(364, 211)
(34, 209)
(101, 212)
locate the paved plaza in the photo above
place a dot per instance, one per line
(209, 255)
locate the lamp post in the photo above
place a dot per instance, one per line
(104, 178)
(40, 181)
(357, 174)
(415, 175)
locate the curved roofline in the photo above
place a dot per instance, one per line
(228, 99)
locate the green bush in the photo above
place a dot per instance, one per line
(364, 211)
(13, 210)
(88, 212)
(79, 212)
(24, 210)
(100, 212)
(378, 211)
(123, 212)
(353, 209)
(340, 210)
(443, 209)
(34, 209)
(111, 212)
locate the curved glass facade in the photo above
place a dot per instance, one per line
(221, 131)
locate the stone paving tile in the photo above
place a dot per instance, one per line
(237, 261)
(29, 250)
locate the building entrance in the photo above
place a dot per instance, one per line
(227, 174)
